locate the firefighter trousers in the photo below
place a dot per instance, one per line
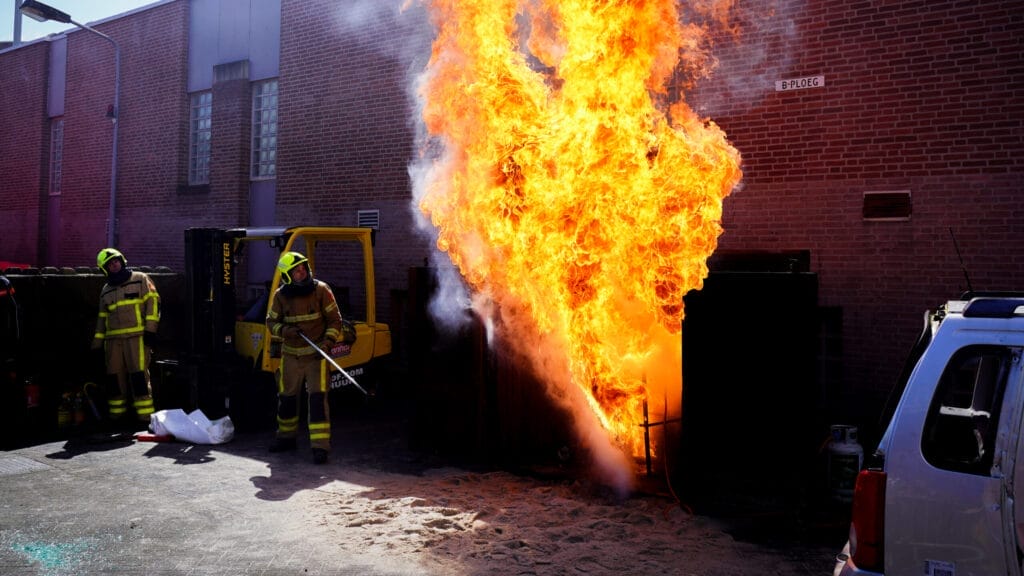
(293, 371)
(128, 378)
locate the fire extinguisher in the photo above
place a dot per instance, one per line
(31, 395)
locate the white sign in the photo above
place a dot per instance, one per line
(799, 83)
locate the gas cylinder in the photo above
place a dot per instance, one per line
(65, 411)
(845, 458)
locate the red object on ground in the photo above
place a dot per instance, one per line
(150, 437)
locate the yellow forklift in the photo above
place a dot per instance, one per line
(230, 275)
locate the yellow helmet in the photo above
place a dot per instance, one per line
(106, 255)
(288, 262)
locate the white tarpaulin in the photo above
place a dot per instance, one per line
(193, 427)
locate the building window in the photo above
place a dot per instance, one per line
(201, 105)
(264, 130)
(56, 155)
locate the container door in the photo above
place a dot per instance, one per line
(947, 488)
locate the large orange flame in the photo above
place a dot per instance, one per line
(571, 194)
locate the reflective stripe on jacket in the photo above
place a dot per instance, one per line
(128, 309)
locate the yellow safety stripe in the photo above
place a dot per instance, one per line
(323, 376)
(331, 333)
(319, 430)
(287, 424)
(142, 356)
(139, 325)
(124, 302)
(332, 306)
(144, 407)
(301, 318)
(297, 351)
(116, 406)
(99, 335)
(155, 314)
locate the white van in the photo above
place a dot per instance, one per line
(943, 494)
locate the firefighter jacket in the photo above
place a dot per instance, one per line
(128, 309)
(314, 312)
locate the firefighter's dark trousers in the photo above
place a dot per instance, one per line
(128, 378)
(293, 371)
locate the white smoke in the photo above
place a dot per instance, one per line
(749, 59)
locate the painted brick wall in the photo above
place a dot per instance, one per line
(926, 97)
(24, 145)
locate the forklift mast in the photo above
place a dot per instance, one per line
(210, 286)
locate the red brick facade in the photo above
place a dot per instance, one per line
(924, 97)
(23, 150)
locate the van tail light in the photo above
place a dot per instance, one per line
(867, 527)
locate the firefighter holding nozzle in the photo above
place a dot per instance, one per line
(303, 306)
(129, 313)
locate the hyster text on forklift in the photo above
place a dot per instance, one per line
(230, 275)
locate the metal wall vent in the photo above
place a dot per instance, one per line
(887, 205)
(369, 219)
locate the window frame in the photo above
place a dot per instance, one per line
(263, 153)
(200, 123)
(56, 168)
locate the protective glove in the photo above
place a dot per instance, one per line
(348, 332)
(149, 339)
(290, 331)
(326, 344)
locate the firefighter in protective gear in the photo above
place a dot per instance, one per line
(303, 305)
(129, 313)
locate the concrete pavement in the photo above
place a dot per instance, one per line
(109, 505)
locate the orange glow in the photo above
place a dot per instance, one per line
(571, 194)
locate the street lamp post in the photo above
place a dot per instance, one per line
(41, 12)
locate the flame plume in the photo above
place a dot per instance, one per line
(571, 194)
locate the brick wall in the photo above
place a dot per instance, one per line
(346, 135)
(24, 145)
(152, 132)
(923, 97)
(154, 136)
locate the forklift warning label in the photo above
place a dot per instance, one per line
(800, 83)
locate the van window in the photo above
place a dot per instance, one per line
(960, 429)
